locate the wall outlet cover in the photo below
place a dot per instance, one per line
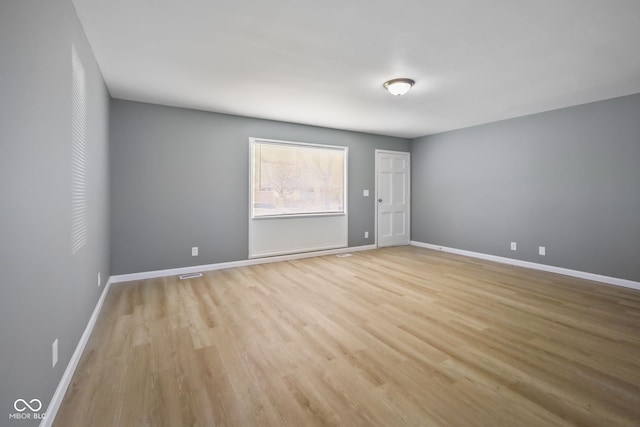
(194, 251)
(513, 246)
(54, 353)
(542, 250)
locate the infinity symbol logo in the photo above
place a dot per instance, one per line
(21, 405)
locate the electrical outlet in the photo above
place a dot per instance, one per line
(194, 251)
(513, 246)
(99, 281)
(542, 250)
(366, 234)
(54, 353)
(365, 193)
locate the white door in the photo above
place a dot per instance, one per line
(393, 197)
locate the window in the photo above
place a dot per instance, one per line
(291, 179)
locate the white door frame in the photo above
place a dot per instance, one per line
(376, 192)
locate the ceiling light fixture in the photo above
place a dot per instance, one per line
(398, 87)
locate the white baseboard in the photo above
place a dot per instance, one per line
(290, 252)
(232, 264)
(552, 269)
(58, 396)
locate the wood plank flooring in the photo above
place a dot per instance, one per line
(400, 336)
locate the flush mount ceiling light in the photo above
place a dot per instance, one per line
(398, 87)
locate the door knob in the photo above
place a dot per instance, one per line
(379, 200)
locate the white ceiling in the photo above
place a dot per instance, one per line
(323, 62)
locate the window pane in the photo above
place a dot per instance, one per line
(292, 179)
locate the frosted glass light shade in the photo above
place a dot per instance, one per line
(398, 86)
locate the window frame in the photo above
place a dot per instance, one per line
(253, 142)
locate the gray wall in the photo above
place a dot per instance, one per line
(46, 293)
(567, 179)
(180, 178)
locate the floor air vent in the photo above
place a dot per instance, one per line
(343, 255)
(190, 276)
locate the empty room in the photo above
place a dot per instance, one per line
(336, 213)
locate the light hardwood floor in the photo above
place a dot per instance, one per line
(401, 336)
